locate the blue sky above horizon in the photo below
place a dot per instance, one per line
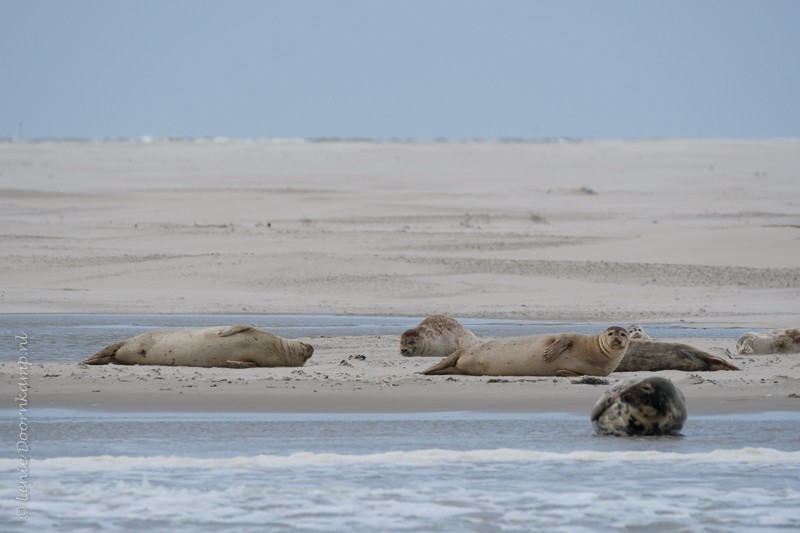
(415, 69)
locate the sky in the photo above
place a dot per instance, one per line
(391, 69)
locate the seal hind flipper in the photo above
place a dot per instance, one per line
(104, 356)
(240, 364)
(233, 330)
(718, 363)
(552, 352)
(445, 366)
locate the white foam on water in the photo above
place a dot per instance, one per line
(437, 504)
(761, 456)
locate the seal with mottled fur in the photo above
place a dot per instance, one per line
(635, 331)
(645, 406)
(563, 354)
(436, 336)
(653, 356)
(767, 342)
(239, 346)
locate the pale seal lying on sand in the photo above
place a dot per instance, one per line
(652, 356)
(564, 354)
(646, 406)
(772, 341)
(635, 331)
(436, 336)
(239, 346)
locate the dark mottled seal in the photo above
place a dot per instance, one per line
(645, 406)
(239, 346)
(653, 356)
(436, 336)
(563, 354)
(768, 342)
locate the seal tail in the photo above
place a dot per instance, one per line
(104, 356)
(445, 366)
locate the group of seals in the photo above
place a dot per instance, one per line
(239, 346)
(645, 406)
(768, 342)
(443, 336)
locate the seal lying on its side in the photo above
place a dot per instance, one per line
(635, 331)
(656, 355)
(239, 346)
(646, 406)
(436, 336)
(772, 341)
(564, 354)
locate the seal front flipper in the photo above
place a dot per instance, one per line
(233, 330)
(566, 373)
(552, 352)
(240, 364)
(104, 356)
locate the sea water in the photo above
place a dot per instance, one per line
(481, 472)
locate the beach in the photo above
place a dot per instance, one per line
(591, 233)
(344, 245)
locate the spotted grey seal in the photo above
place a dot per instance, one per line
(436, 336)
(645, 406)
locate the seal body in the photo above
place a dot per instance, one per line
(635, 331)
(652, 356)
(564, 354)
(436, 336)
(646, 406)
(767, 342)
(238, 346)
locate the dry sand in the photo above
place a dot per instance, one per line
(599, 232)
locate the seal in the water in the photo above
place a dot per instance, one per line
(656, 355)
(645, 406)
(772, 341)
(564, 354)
(436, 336)
(635, 331)
(239, 346)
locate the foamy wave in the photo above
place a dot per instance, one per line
(765, 456)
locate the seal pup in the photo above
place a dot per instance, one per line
(653, 356)
(239, 346)
(767, 342)
(436, 336)
(635, 331)
(563, 354)
(645, 406)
